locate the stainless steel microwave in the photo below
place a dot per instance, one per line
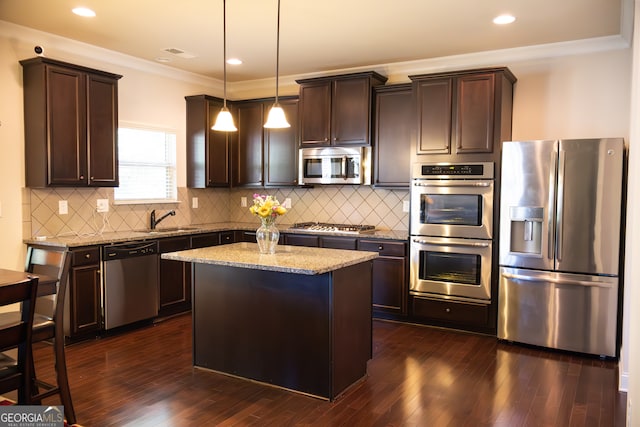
(335, 165)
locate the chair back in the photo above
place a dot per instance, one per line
(18, 335)
(52, 262)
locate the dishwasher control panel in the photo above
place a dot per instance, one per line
(129, 250)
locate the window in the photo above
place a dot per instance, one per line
(147, 165)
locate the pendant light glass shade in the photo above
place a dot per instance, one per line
(276, 118)
(224, 121)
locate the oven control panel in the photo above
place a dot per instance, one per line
(481, 170)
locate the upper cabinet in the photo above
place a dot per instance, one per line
(337, 110)
(251, 157)
(464, 112)
(208, 151)
(264, 157)
(71, 118)
(393, 135)
(246, 167)
(281, 148)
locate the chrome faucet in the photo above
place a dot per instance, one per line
(155, 222)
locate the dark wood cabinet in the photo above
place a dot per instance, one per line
(208, 151)
(83, 313)
(438, 312)
(264, 157)
(307, 240)
(331, 242)
(464, 112)
(174, 278)
(204, 240)
(71, 119)
(337, 110)
(390, 268)
(281, 148)
(247, 152)
(390, 280)
(394, 135)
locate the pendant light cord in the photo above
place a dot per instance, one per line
(277, 52)
(224, 47)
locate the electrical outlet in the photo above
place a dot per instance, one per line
(405, 206)
(63, 207)
(287, 203)
(194, 202)
(243, 202)
(102, 205)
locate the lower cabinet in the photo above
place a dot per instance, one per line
(389, 278)
(83, 316)
(174, 278)
(451, 313)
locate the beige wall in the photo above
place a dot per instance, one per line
(565, 96)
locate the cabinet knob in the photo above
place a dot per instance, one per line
(81, 176)
(380, 248)
(87, 256)
(448, 310)
(91, 178)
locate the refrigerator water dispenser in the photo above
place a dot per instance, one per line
(526, 230)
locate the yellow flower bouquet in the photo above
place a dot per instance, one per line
(267, 208)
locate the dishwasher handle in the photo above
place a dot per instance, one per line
(129, 250)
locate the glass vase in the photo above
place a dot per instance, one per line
(267, 237)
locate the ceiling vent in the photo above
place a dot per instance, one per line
(179, 52)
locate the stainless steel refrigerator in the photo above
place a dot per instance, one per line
(560, 219)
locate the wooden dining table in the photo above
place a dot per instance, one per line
(46, 284)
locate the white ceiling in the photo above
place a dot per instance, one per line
(316, 36)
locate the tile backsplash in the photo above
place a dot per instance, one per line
(338, 204)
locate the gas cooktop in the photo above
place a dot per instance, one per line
(323, 227)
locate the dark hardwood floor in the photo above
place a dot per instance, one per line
(419, 376)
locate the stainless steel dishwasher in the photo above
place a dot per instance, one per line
(130, 272)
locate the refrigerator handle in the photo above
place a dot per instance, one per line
(560, 204)
(552, 204)
(555, 281)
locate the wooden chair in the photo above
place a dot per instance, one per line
(16, 374)
(48, 322)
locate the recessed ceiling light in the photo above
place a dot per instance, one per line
(234, 61)
(504, 19)
(84, 11)
(163, 59)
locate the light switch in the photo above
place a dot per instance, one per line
(63, 207)
(194, 202)
(243, 202)
(405, 206)
(287, 203)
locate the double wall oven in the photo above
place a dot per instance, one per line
(451, 231)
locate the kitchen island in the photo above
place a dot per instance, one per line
(298, 319)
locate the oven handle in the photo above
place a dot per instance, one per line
(452, 184)
(556, 281)
(433, 242)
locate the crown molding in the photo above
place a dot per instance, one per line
(23, 39)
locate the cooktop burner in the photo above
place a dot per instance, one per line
(333, 228)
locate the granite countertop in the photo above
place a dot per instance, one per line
(75, 240)
(287, 259)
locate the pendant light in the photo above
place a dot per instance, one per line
(224, 121)
(276, 118)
